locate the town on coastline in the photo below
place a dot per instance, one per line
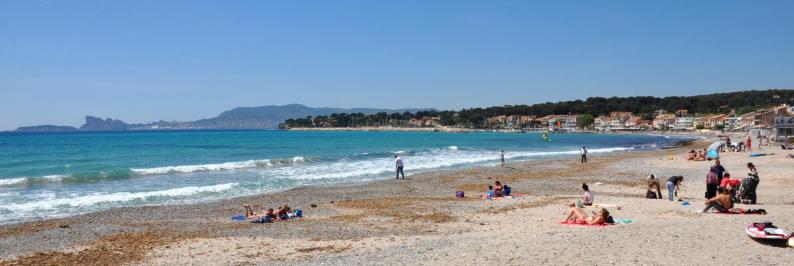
(775, 122)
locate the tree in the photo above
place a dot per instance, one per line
(585, 121)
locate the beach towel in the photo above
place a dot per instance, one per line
(625, 221)
(238, 217)
(584, 224)
(744, 211)
(513, 196)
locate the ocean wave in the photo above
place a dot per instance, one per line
(219, 166)
(13, 181)
(24, 181)
(95, 199)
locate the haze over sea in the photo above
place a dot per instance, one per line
(55, 175)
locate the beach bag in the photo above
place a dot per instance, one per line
(299, 213)
(460, 194)
(650, 195)
(506, 191)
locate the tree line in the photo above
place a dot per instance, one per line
(646, 106)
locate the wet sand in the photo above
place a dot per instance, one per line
(419, 221)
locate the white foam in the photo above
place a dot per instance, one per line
(421, 161)
(201, 167)
(298, 159)
(94, 199)
(21, 181)
(13, 181)
(454, 148)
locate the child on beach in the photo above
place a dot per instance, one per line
(498, 189)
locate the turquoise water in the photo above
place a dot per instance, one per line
(55, 175)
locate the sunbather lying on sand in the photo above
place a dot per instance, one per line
(282, 213)
(576, 215)
(498, 189)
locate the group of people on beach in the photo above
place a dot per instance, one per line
(497, 190)
(281, 213)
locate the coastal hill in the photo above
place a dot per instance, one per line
(271, 116)
(262, 117)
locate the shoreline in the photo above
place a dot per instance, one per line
(676, 144)
(418, 212)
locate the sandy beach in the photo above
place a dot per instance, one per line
(419, 221)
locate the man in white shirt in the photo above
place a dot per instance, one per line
(584, 154)
(399, 163)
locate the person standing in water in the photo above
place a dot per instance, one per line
(502, 157)
(398, 162)
(584, 154)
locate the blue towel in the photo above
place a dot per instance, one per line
(238, 217)
(685, 203)
(625, 221)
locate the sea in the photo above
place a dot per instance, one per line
(48, 175)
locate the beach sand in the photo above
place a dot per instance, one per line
(419, 221)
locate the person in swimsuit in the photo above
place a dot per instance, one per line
(576, 215)
(498, 189)
(721, 203)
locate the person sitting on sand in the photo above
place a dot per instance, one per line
(588, 196)
(498, 189)
(576, 215)
(653, 182)
(721, 202)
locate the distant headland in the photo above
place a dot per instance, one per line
(262, 117)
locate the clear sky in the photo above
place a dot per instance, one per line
(141, 61)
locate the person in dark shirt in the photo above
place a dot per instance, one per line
(719, 170)
(673, 186)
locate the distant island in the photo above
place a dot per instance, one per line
(262, 117)
(46, 128)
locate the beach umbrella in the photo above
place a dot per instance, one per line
(714, 150)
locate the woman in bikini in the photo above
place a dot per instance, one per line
(576, 215)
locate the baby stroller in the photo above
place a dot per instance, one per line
(746, 193)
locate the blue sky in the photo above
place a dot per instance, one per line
(142, 60)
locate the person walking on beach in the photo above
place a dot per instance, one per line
(502, 157)
(398, 162)
(584, 154)
(749, 144)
